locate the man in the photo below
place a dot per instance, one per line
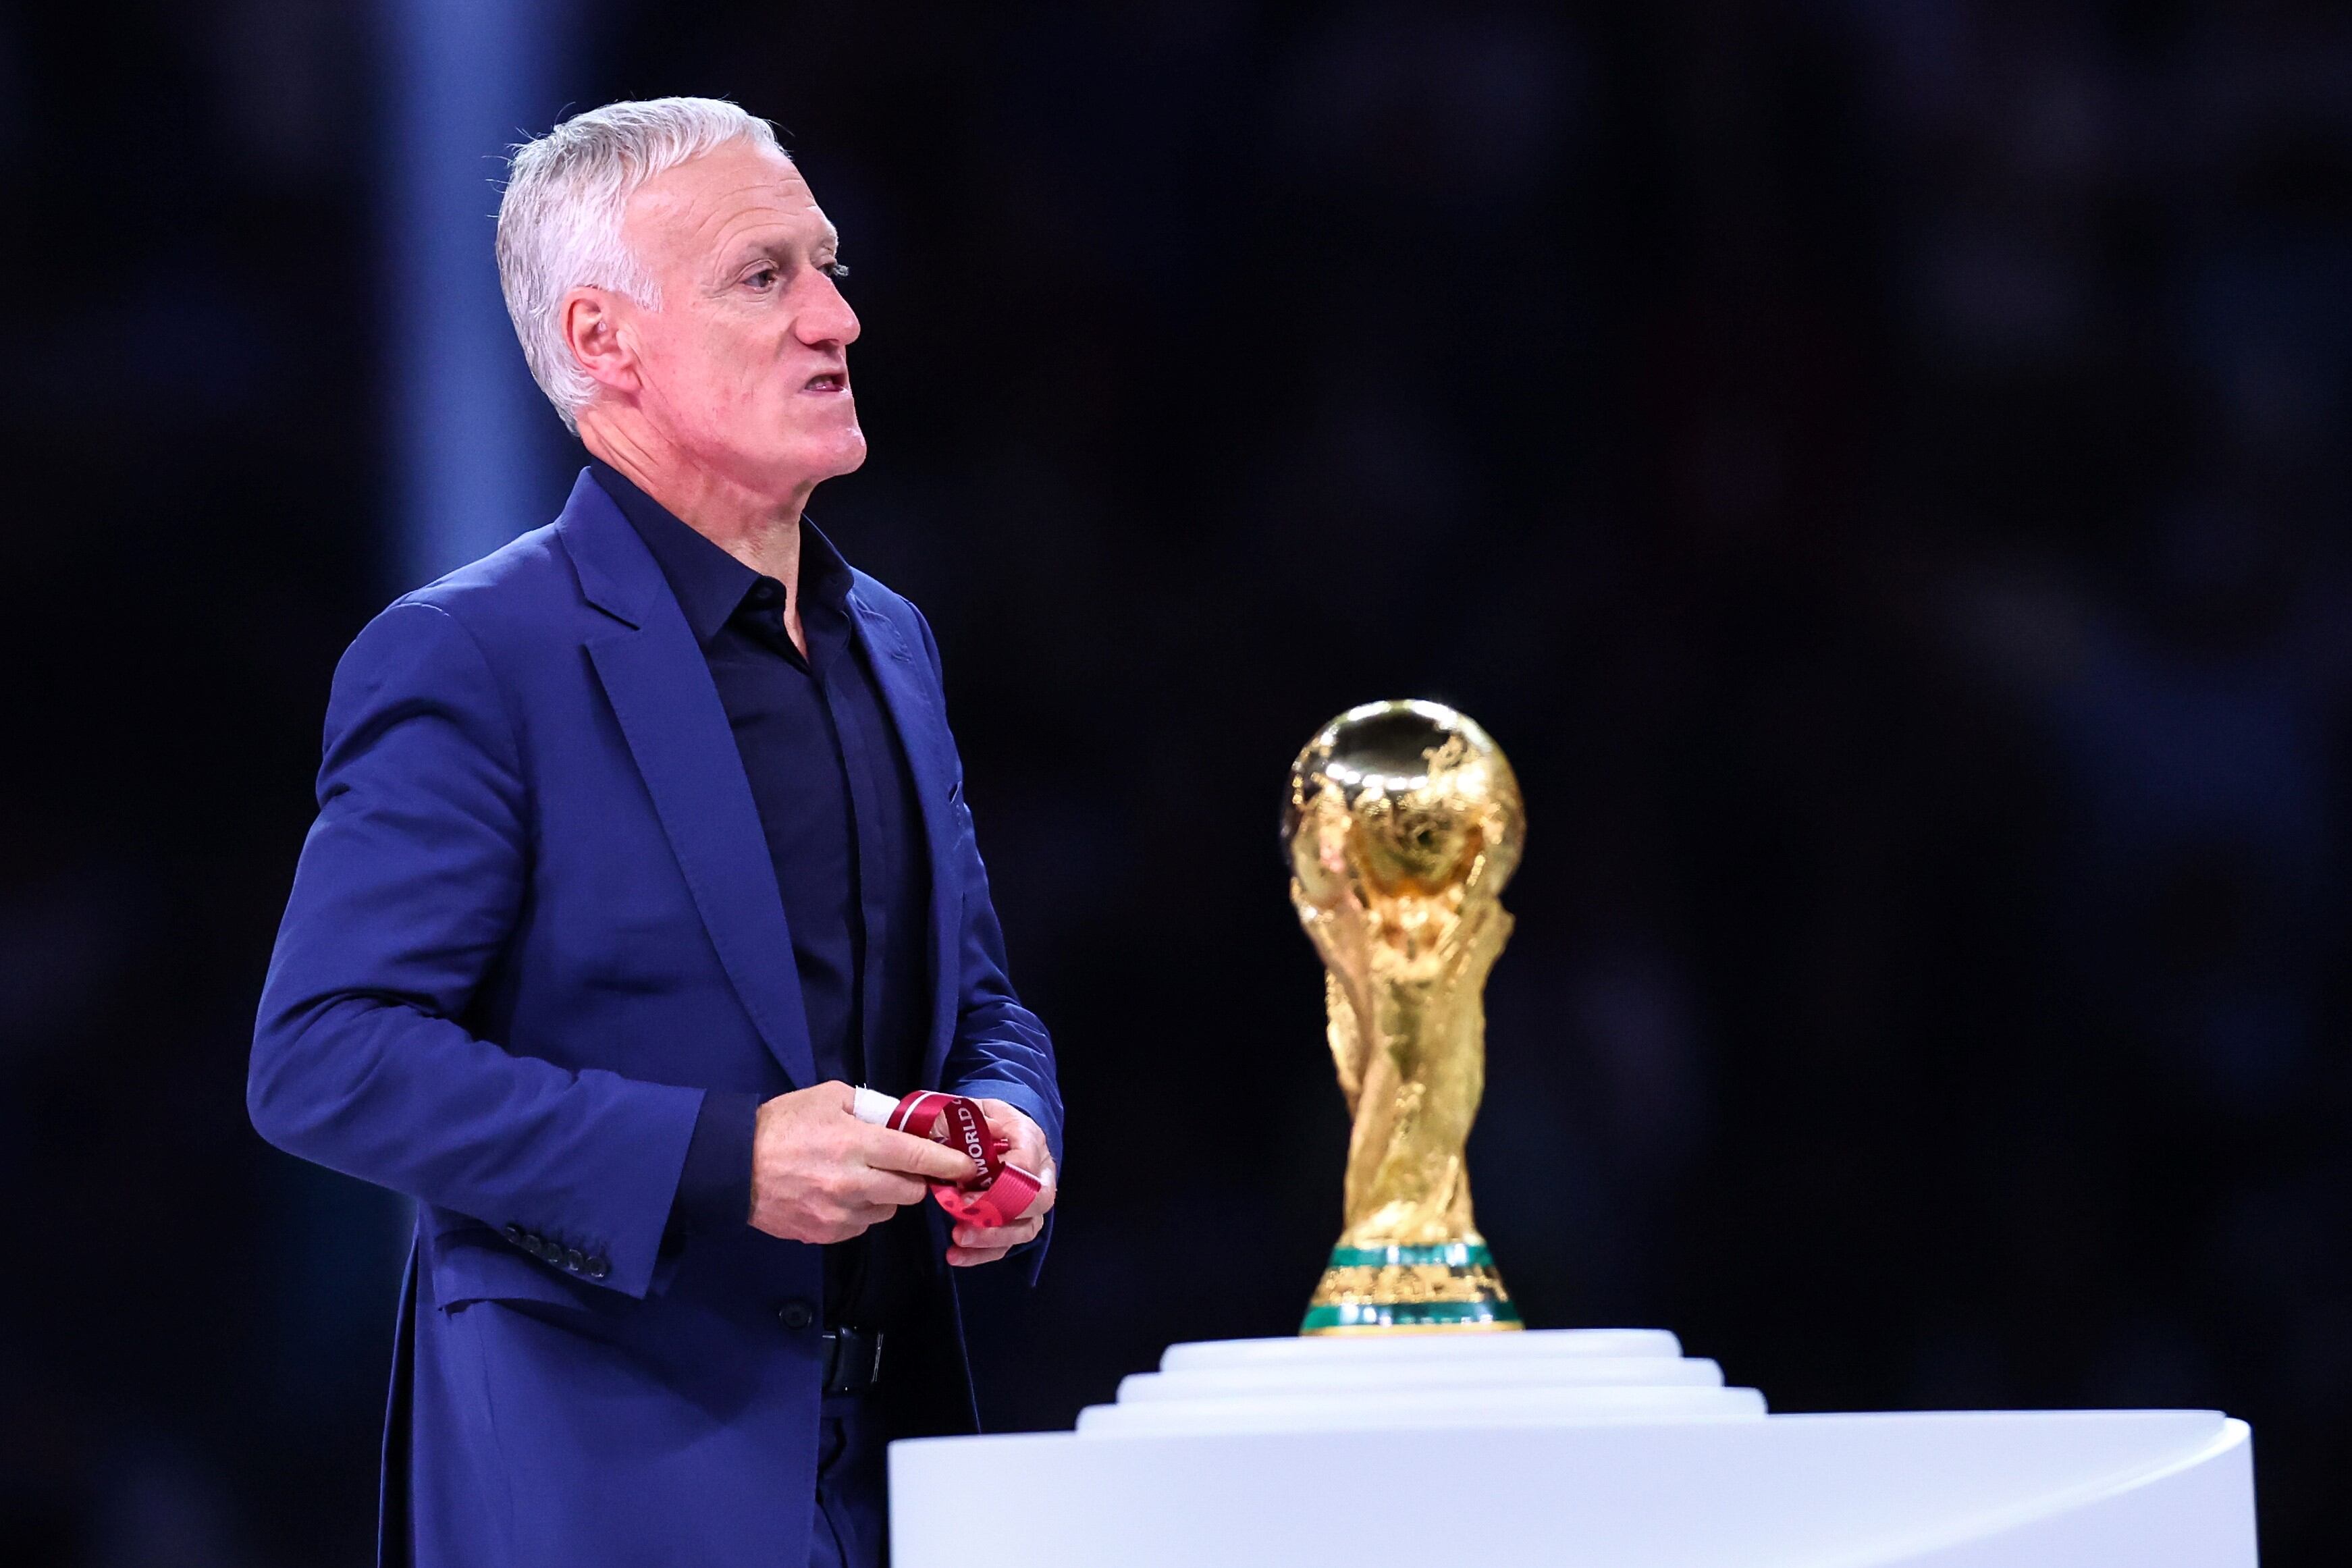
(640, 842)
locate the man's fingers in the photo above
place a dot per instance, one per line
(972, 1256)
(1028, 1140)
(891, 1187)
(1019, 1233)
(914, 1157)
(857, 1218)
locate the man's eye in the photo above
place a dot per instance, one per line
(764, 277)
(836, 270)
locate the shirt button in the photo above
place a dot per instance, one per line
(795, 1314)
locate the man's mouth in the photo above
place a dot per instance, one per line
(828, 381)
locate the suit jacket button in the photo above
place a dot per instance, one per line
(795, 1314)
(575, 1260)
(598, 1267)
(513, 1233)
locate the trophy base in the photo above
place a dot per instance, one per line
(1591, 1449)
(1447, 1289)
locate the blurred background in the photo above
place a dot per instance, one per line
(1875, 465)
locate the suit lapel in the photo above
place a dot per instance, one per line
(908, 691)
(659, 685)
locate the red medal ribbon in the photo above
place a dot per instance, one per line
(997, 1193)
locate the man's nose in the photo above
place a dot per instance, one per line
(825, 317)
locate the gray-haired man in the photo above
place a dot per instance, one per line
(639, 843)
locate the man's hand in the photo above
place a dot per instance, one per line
(971, 1245)
(819, 1174)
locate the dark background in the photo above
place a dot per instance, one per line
(1876, 465)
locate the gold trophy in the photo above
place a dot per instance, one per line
(1402, 826)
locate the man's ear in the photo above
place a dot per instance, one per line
(591, 320)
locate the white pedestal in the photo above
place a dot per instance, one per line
(1599, 1446)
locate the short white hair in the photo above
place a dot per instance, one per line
(560, 220)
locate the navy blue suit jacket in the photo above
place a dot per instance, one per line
(535, 921)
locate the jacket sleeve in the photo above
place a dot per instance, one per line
(410, 883)
(1000, 1048)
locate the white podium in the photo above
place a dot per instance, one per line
(1576, 1448)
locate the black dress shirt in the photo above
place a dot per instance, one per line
(837, 806)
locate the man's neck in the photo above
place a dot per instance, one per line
(756, 529)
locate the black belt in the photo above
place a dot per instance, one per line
(852, 1360)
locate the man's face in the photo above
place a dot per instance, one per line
(745, 366)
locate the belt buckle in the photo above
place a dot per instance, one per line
(852, 1360)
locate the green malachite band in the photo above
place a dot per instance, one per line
(1454, 1254)
(1408, 1314)
(1386, 1289)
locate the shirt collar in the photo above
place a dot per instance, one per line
(708, 582)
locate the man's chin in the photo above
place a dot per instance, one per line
(812, 455)
(847, 455)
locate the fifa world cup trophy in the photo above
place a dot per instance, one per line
(1402, 826)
